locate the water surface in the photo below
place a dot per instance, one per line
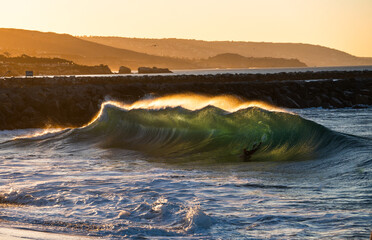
(177, 172)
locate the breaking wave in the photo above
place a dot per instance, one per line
(209, 128)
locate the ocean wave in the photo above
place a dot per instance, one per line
(211, 133)
(209, 128)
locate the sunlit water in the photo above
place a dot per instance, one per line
(124, 178)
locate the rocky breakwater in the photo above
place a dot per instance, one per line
(74, 101)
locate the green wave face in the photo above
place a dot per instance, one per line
(211, 134)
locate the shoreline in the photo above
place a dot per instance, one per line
(72, 101)
(10, 231)
(14, 233)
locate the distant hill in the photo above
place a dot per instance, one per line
(16, 42)
(311, 55)
(231, 60)
(48, 44)
(17, 66)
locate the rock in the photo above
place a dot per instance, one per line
(348, 94)
(124, 70)
(123, 214)
(361, 99)
(4, 97)
(318, 101)
(326, 105)
(91, 108)
(30, 111)
(347, 103)
(359, 106)
(16, 99)
(6, 109)
(268, 99)
(324, 97)
(145, 70)
(335, 102)
(292, 103)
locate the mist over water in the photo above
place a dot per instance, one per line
(172, 167)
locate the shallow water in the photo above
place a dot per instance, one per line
(146, 173)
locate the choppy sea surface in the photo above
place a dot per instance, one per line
(141, 171)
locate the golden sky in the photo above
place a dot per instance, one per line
(342, 24)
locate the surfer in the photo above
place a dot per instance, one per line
(248, 153)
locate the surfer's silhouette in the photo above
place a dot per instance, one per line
(247, 154)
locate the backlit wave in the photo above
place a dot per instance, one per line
(191, 126)
(209, 133)
(191, 101)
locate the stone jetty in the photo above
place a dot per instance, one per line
(71, 101)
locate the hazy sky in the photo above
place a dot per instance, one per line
(342, 24)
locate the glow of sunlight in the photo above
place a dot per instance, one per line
(188, 101)
(191, 102)
(40, 133)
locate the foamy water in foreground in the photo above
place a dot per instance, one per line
(177, 172)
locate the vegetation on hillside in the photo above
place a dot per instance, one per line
(17, 66)
(53, 45)
(230, 60)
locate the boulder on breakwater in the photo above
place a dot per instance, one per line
(146, 70)
(124, 70)
(74, 101)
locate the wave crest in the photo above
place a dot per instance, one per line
(210, 133)
(207, 128)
